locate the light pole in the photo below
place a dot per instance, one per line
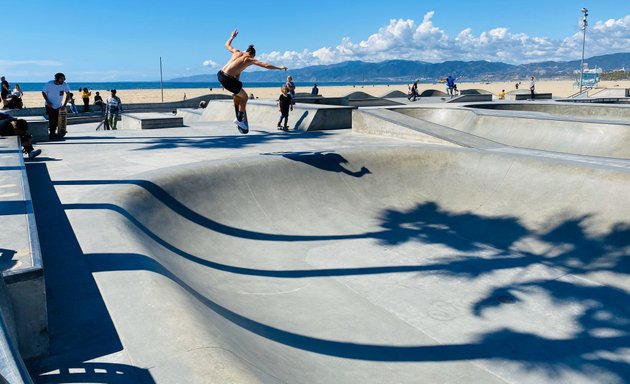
(584, 24)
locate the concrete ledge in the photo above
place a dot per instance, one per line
(137, 107)
(527, 96)
(12, 368)
(38, 127)
(390, 124)
(190, 115)
(570, 108)
(22, 266)
(150, 121)
(471, 98)
(304, 117)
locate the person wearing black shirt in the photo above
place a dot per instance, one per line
(10, 126)
(285, 102)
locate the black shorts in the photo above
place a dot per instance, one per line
(229, 83)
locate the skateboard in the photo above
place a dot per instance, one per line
(62, 123)
(237, 101)
(104, 124)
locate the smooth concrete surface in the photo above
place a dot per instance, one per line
(304, 117)
(203, 255)
(12, 367)
(190, 115)
(564, 109)
(604, 136)
(150, 120)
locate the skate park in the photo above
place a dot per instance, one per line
(443, 242)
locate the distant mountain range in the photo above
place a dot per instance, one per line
(407, 71)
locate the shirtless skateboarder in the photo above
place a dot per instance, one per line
(230, 74)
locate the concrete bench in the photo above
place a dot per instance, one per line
(151, 120)
(21, 261)
(38, 127)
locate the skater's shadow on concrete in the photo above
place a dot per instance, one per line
(300, 120)
(6, 259)
(326, 161)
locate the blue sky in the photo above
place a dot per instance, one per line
(119, 40)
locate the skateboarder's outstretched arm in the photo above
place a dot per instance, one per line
(228, 43)
(267, 65)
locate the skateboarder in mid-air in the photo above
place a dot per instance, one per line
(230, 74)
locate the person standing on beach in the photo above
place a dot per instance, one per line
(85, 95)
(55, 94)
(532, 87)
(6, 91)
(230, 74)
(113, 109)
(291, 85)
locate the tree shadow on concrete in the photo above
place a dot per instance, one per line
(79, 324)
(480, 245)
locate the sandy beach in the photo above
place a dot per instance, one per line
(562, 88)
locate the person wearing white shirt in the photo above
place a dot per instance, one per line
(55, 94)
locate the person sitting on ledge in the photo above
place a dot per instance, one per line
(10, 126)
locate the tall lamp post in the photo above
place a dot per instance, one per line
(584, 24)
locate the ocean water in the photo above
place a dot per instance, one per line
(179, 85)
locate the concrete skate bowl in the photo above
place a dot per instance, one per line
(572, 110)
(380, 265)
(543, 131)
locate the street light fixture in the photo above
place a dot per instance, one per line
(584, 24)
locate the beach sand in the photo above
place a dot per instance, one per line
(561, 88)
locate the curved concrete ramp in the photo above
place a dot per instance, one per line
(602, 112)
(359, 95)
(378, 266)
(394, 94)
(433, 93)
(533, 130)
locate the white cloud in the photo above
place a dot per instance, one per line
(210, 64)
(405, 39)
